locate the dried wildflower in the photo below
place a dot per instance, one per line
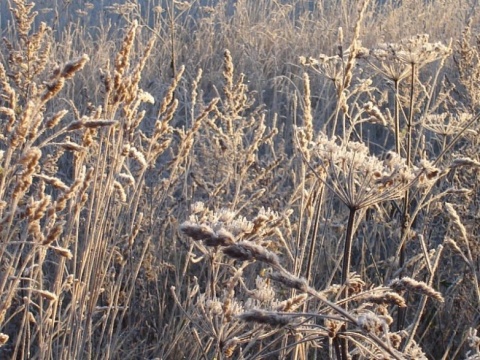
(196, 231)
(55, 182)
(383, 59)
(214, 306)
(359, 179)
(47, 295)
(474, 340)
(224, 216)
(138, 155)
(144, 96)
(409, 284)
(230, 346)
(387, 298)
(92, 124)
(127, 179)
(63, 252)
(395, 60)
(70, 146)
(221, 237)
(3, 339)
(245, 251)
(29, 161)
(329, 66)
(73, 66)
(264, 291)
(395, 340)
(120, 191)
(447, 124)
(333, 327)
(419, 51)
(197, 207)
(427, 173)
(372, 323)
(291, 304)
(355, 284)
(265, 317)
(456, 220)
(375, 113)
(54, 233)
(290, 281)
(415, 352)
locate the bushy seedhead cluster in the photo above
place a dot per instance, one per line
(394, 60)
(358, 178)
(474, 344)
(329, 66)
(263, 305)
(447, 124)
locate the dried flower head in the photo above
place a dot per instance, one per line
(265, 317)
(372, 323)
(409, 284)
(358, 178)
(264, 291)
(245, 251)
(395, 60)
(331, 67)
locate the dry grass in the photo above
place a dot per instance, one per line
(312, 192)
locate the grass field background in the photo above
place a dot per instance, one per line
(239, 179)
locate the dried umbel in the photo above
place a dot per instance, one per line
(385, 62)
(419, 51)
(447, 124)
(226, 228)
(358, 178)
(329, 66)
(395, 60)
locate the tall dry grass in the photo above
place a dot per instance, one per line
(309, 193)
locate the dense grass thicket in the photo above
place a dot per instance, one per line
(219, 179)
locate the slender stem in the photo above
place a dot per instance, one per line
(423, 302)
(410, 117)
(172, 38)
(406, 197)
(316, 224)
(397, 118)
(347, 252)
(347, 255)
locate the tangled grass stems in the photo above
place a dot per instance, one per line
(102, 152)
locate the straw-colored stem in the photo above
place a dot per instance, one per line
(397, 117)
